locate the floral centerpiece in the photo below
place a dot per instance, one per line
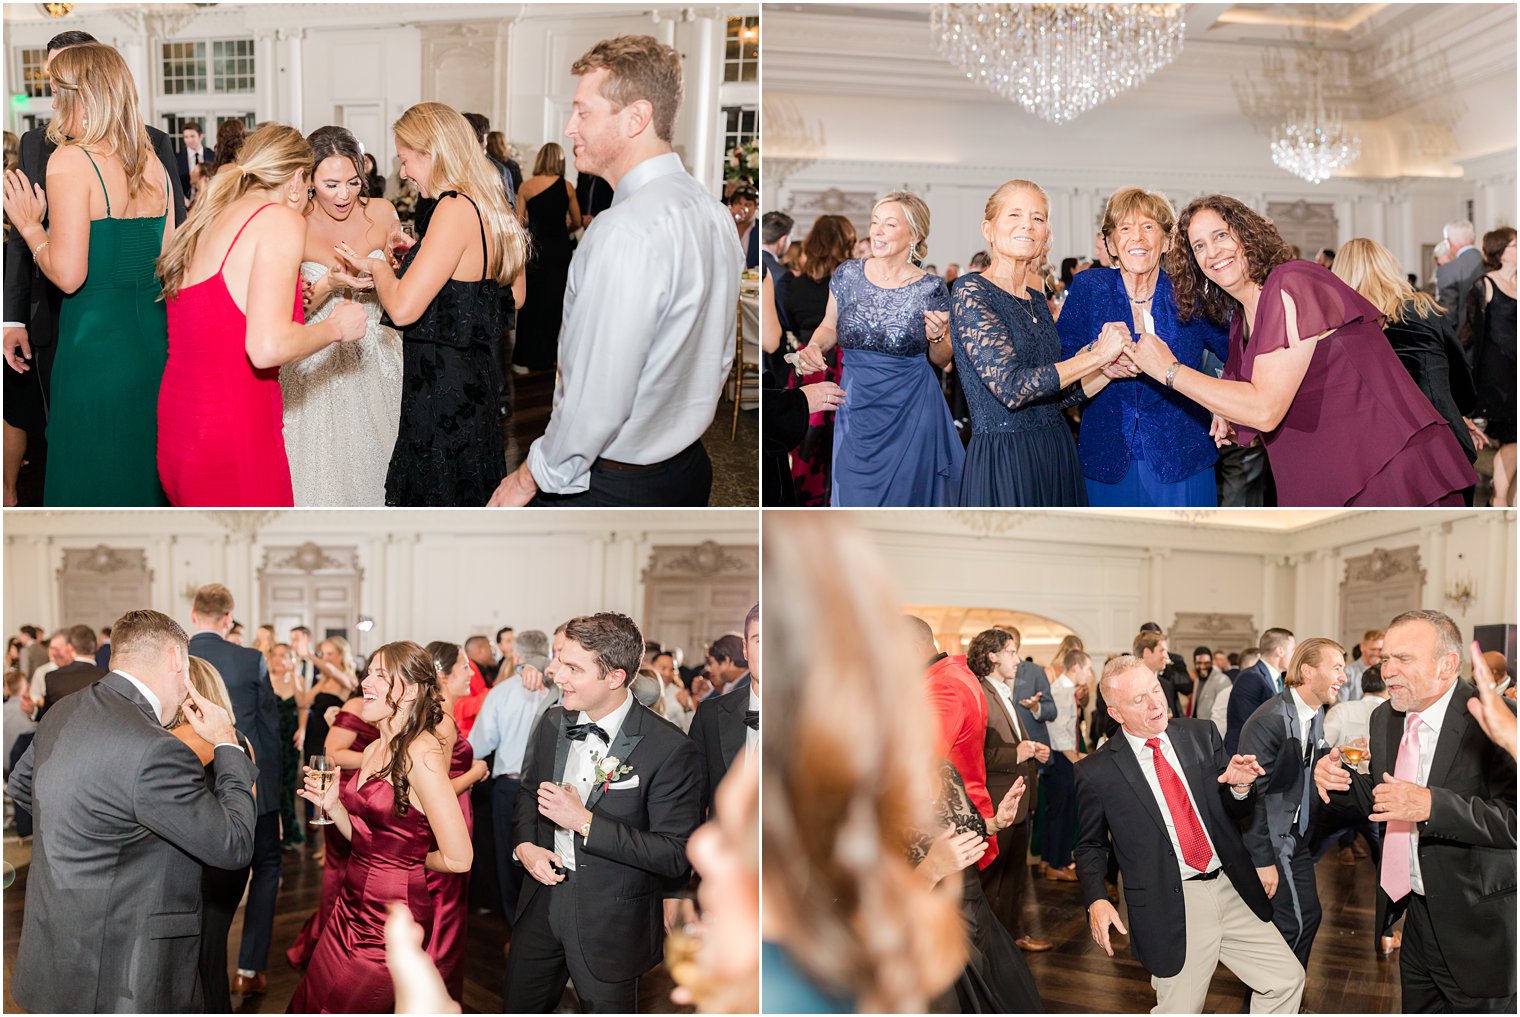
(743, 165)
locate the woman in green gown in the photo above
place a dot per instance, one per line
(107, 209)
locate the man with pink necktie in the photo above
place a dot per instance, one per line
(1447, 795)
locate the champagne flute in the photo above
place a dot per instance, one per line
(326, 769)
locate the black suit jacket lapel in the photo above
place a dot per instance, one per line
(731, 729)
(561, 747)
(118, 683)
(623, 743)
(1453, 733)
(1196, 770)
(1124, 758)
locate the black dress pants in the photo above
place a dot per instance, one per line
(682, 481)
(263, 890)
(509, 874)
(545, 948)
(1425, 978)
(1006, 880)
(1295, 905)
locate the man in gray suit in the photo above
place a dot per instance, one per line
(246, 676)
(1286, 734)
(1454, 280)
(125, 822)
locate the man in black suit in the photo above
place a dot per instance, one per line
(1447, 795)
(246, 676)
(1258, 683)
(1168, 794)
(593, 907)
(1286, 735)
(1151, 647)
(78, 673)
(113, 898)
(192, 153)
(726, 723)
(32, 302)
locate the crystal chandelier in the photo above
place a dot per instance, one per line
(1058, 60)
(1312, 145)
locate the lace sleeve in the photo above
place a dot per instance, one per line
(952, 808)
(1072, 395)
(979, 331)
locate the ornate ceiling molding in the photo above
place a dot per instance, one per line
(104, 560)
(708, 558)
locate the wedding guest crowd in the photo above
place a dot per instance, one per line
(291, 341)
(1195, 358)
(1196, 853)
(400, 819)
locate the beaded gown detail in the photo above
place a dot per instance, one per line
(448, 447)
(894, 441)
(342, 407)
(347, 972)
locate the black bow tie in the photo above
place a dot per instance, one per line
(752, 719)
(578, 733)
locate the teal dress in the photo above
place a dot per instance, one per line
(113, 339)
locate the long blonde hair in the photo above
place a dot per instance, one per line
(94, 80)
(272, 155)
(1371, 269)
(460, 164)
(347, 653)
(209, 685)
(841, 802)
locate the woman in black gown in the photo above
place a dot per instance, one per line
(995, 979)
(547, 206)
(446, 299)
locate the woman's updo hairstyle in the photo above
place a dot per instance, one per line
(917, 214)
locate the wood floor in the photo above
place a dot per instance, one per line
(300, 888)
(1345, 973)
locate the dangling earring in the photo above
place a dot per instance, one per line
(86, 123)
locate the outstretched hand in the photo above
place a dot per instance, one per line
(1488, 708)
(1242, 771)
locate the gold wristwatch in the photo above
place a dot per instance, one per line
(585, 830)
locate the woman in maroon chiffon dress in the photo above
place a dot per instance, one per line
(231, 285)
(403, 818)
(346, 740)
(1310, 370)
(451, 890)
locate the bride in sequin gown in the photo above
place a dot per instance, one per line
(342, 407)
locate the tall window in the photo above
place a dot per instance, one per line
(208, 66)
(34, 83)
(741, 60)
(184, 67)
(741, 124)
(232, 63)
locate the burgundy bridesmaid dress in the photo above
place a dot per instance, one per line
(335, 848)
(347, 973)
(221, 428)
(451, 892)
(1359, 431)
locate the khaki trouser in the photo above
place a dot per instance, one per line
(1221, 929)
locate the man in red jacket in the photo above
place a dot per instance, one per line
(960, 713)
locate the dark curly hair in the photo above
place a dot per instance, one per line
(983, 644)
(416, 667)
(1263, 246)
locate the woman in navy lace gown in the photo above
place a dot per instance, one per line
(1006, 351)
(894, 441)
(1141, 443)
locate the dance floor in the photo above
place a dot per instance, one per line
(736, 476)
(300, 887)
(1345, 973)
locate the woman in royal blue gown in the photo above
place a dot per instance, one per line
(1141, 443)
(894, 441)
(1006, 351)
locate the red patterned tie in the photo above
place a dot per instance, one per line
(1195, 844)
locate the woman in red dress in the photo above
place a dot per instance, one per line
(231, 278)
(403, 819)
(451, 890)
(1310, 370)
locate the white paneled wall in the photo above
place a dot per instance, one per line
(1105, 576)
(425, 575)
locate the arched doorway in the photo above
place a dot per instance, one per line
(954, 628)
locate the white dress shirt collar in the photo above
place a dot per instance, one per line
(1432, 717)
(147, 693)
(644, 172)
(1272, 673)
(612, 723)
(1305, 711)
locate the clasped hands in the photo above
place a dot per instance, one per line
(1393, 799)
(1123, 357)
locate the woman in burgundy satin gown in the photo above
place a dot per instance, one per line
(231, 280)
(451, 890)
(1310, 370)
(359, 733)
(403, 819)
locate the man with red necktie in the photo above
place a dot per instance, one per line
(1167, 793)
(1447, 795)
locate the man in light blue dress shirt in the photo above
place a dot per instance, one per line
(648, 337)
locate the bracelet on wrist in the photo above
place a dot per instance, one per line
(1171, 372)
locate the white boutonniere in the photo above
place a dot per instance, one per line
(609, 769)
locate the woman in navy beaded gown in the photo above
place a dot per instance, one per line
(1006, 351)
(1141, 443)
(894, 441)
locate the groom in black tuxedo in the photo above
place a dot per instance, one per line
(729, 722)
(593, 907)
